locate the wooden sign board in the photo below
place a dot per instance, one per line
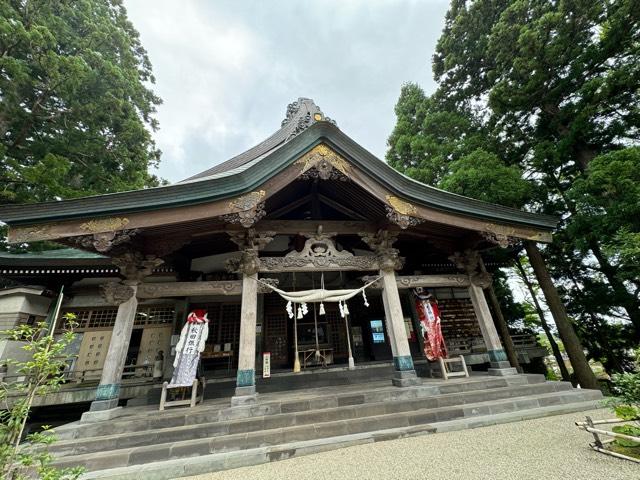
(266, 365)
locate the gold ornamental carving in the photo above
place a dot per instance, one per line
(27, 234)
(248, 201)
(104, 224)
(324, 163)
(400, 206)
(248, 209)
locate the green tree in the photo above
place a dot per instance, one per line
(76, 109)
(44, 373)
(550, 89)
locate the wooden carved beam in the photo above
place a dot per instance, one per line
(187, 289)
(429, 281)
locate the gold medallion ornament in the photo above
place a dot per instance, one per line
(324, 163)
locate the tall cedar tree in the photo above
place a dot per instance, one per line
(76, 109)
(544, 92)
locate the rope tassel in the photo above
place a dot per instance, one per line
(321, 311)
(299, 313)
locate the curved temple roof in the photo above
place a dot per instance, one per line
(304, 127)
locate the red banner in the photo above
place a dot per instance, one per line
(429, 315)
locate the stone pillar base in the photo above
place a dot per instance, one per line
(101, 415)
(352, 364)
(405, 378)
(244, 396)
(101, 405)
(502, 372)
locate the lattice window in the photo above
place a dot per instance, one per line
(459, 325)
(275, 337)
(92, 318)
(230, 326)
(275, 330)
(337, 333)
(102, 318)
(155, 315)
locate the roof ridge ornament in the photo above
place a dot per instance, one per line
(301, 114)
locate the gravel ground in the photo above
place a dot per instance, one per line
(542, 449)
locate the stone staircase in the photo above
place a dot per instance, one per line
(145, 443)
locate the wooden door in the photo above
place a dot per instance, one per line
(93, 351)
(153, 340)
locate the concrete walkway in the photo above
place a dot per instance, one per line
(543, 449)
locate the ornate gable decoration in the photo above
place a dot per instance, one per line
(402, 213)
(319, 253)
(324, 163)
(302, 114)
(249, 209)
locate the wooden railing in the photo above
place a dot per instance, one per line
(90, 375)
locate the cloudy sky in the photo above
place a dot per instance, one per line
(226, 70)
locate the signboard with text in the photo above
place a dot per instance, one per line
(266, 365)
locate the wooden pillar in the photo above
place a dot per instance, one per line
(404, 374)
(469, 261)
(501, 323)
(573, 347)
(249, 243)
(108, 392)
(497, 357)
(246, 375)
(134, 267)
(389, 261)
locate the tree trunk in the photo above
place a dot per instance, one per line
(628, 301)
(545, 326)
(501, 324)
(572, 345)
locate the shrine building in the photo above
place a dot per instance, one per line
(308, 208)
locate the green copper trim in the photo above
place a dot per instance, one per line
(403, 363)
(254, 172)
(246, 378)
(497, 355)
(108, 391)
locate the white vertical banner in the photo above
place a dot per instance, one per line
(266, 364)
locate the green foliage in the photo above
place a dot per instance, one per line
(75, 107)
(484, 176)
(626, 387)
(44, 374)
(538, 106)
(630, 430)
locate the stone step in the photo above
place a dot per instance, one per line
(288, 381)
(205, 463)
(312, 399)
(198, 428)
(273, 436)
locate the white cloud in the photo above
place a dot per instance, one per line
(227, 69)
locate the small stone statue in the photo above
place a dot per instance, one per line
(158, 365)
